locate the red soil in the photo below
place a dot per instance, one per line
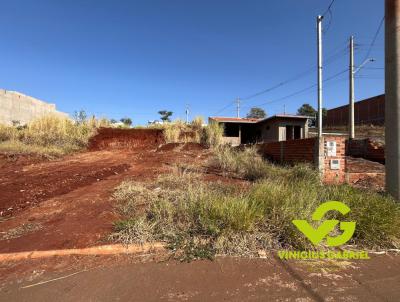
(111, 138)
(70, 198)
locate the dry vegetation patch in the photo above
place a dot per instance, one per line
(199, 219)
(50, 135)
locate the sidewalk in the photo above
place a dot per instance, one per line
(225, 279)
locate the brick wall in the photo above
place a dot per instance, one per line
(369, 111)
(332, 175)
(313, 151)
(367, 149)
(292, 151)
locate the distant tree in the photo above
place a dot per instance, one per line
(126, 120)
(256, 112)
(165, 115)
(306, 109)
(113, 121)
(80, 116)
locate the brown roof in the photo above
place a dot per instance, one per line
(254, 120)
(235, 119)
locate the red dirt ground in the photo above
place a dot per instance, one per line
(68, 199)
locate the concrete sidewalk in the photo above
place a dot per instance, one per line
(225, 279)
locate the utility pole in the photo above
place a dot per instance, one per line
(351, 90)
(238, 107)
(319, 45)
(284, 109)
(187, 114)
(392, 97)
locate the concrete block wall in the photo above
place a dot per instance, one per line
(15, 106)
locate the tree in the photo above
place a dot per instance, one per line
(165, 115)
(126, 120)
(113, 121)
(307, 110)
(80, 116)
(256, 112)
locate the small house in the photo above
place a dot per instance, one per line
(278, 127)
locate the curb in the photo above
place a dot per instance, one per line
(112, 249)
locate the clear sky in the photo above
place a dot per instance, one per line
(134, 58)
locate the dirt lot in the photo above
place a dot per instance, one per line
(66, 203)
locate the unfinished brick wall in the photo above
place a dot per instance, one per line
(313, 151)
(299, 150)
(367, 149)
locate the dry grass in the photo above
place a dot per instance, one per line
(180, 132)
(199, 219)
(50, 135)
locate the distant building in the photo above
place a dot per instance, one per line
(154, 122)
(279, 127)
(369, 111)
(17, 108)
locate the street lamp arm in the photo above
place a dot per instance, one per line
(363, 64)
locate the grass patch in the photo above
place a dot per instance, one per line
(50, 135)
(181, 132)
(200, 219)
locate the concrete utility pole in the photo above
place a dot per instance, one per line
(319, 45)
(392, 97)
(187, 114)
(351, 90)
(238, 107)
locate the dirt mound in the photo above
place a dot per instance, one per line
(111, 138)
(181, 147)
(193, 147)
(169, 147)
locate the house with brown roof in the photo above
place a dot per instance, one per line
(278, 127)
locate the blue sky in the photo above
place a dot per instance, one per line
(134, 58)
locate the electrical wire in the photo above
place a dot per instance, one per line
(302, 90)
(375, 37)
(334, 57)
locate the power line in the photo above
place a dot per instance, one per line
(303, 90)
(226, 107)
(375, 37)
(328, 10)
(328, 61)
